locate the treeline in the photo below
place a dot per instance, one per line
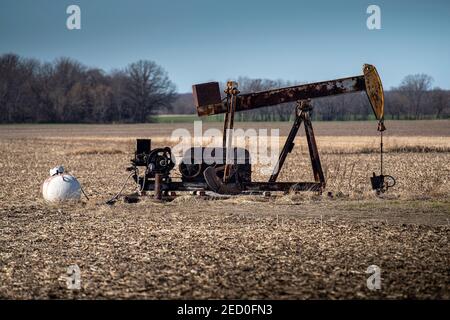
(68, 91)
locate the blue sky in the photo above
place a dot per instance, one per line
(203, 40)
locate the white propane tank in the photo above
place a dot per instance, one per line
(61, 186)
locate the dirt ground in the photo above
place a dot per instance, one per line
(295, 246)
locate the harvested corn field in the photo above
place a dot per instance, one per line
(301, 245)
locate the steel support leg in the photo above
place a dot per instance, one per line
(313, 151)
(289, 144)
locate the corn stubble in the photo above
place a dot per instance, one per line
(288, 246)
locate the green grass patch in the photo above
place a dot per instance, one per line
(184, 118)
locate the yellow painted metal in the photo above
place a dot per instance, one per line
(374, 90)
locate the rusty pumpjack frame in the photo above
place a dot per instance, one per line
(236, 179)
(208, 102)
(302, 113)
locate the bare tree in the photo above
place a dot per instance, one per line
(183, 104)
(440, 101)
(414, 87)
(397, 104)
(67, 82)
(149, 89)
(16, 74)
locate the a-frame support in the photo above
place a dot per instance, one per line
(302, 114)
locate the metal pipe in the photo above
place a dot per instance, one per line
(158, 189)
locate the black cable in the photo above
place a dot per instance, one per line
(381, 152)
(113, 199)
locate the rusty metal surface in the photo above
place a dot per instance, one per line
(158, 189)
(313, 151)
(246, 186)
(303, 110)
(206, 93)
(370, 82)
(374, 90)
(289, 143)
(283, 186)
(283, 95)
(231, 92)
(217, 185)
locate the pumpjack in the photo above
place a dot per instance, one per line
(230, 177)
